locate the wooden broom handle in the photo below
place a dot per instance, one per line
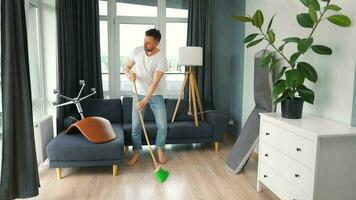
(144, 128)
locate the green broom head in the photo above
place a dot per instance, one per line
(161, 174)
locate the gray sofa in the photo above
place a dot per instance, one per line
(76, 151)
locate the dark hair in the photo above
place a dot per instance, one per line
(154, 33)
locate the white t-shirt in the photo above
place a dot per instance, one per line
(145, 66)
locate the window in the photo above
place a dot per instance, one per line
(103, 5)
(149, 9)
(130, 38)
(36, 74)
(104, 49)
(122, 27)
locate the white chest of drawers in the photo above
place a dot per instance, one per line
(308, 158)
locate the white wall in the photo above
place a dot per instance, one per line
(49, 49)
(334, 89)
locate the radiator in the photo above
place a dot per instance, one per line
(43, 135)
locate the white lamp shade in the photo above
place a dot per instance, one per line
(190, 56)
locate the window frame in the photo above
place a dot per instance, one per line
(114, 22)
(40, 101)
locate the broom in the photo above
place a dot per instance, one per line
(161, 174)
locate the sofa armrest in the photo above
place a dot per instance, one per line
(219, 123)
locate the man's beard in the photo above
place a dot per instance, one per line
(148, 50)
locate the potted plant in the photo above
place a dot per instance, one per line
(288, 87)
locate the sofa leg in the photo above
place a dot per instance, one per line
(216, 146)
(115, 170)
(59, 173)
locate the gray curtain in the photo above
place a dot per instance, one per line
(78, 50)
(19, 173)
(199, 34)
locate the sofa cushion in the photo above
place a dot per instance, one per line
(109, 109)
(75, 147)
(187, 129)
(127, 108)
(182, 112)
(176, 130)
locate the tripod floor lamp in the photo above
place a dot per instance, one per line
(190, 56)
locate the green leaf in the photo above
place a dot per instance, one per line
(274, 63)
(282, 47)
(320, 49)
(300, 78)
(243, 18)
(305, 20)
(306, 94)
(315, 4)
(294, 58)
(258, 18)
(289, 78)
(304, 45)
(312, 14)
(294, 78)
(250, 37)
(332, 7)
(290, 93)
(305, 2)
(292, 39)
(281, 98)
(308, 71)
(254, 43)
(270, 23)
(340, 20)
(266, 60)
(280, 74)
(278, 88)
(271, 36)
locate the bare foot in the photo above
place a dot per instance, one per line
(133, 160)
(161, 156)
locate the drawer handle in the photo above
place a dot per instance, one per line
(267, 133)
(265, 176)
(296, 175)
(299, 149)
(266, 155)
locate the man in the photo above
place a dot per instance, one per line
(149, 65)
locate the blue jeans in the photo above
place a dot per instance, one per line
(158, 108)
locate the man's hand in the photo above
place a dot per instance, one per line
(127, 69)
(141, 105)
(131, 76)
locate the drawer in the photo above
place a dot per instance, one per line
(294, 172)
(273, 181)
(270, 156)
(289, 143)
(271, 135)
(302, 150)
(278, 185)
(298, 175)
(295, 194)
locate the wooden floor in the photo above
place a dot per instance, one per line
(196, 172)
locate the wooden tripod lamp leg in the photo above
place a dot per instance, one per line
(198, 97)
(180, 95)
(190, 92)
(191, 84)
